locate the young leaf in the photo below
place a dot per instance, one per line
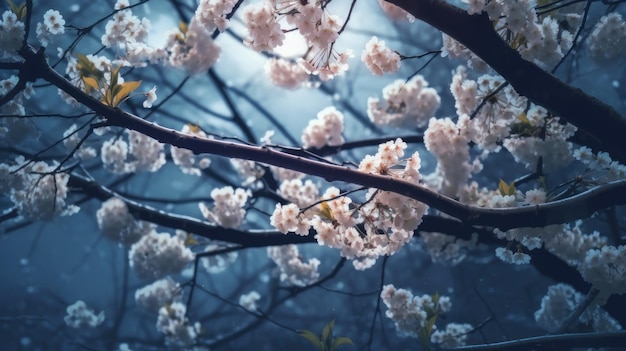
(327, 332)
(90, 84)
(312, 338)
(340, 341)
(125, 89)
(506, 189)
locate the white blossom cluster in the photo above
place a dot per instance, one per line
(552, 147)
(249, 171)
(264, 32)
(185, 159)
(607, 41)
(605, 268)
(286, 74)
(325, 130)
(11, 34)
(156, 255)
(38, 190)
(218, 263)
(502, 120)
(71, 139)
(492, 123)
(174, 324)
(379, 58)
(228, 206)
(212, 14)
(319, 29)
(79, 316)
(140, 154)
(539, 39)
(15, 130)
(52, 25)
(405, 104)
(126, 31)
(292, 269)
(162, 292)
(600, 166)
(559, 302)
(410, 313)
(117, 224)
(455, 335)
(388, 219)
(571, 244)
(249, 300)
(301, 194)
(193, 50)
(446, 248)
(443, 138)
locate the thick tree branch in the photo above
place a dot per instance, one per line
(576, 207)
(597, 120)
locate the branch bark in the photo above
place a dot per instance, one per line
(600, 124)
(562, 211)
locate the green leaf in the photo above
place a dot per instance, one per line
(506, 189)
(425, 332)
(125, 90)
(19, 11)
(90, 84)
(340, 341)
(327, 332)
(312, 338)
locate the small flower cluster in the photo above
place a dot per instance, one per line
(125, 31)
(192, 49)
(174, 324)
(379, 58)
(492, 123)
(292, 269)
(607, 41)
(451, 148)
(11, 34)
(571, 245)
(79, 316)
(601, 167)
(325, 130)
(15, 130)
(446, 248)
(118, 224)
(212, 14)
(509, 256)
(411, 313)
(38, 190)
(561, 300)
(217, 263)
(539, 39)
(388, 219)
(158, 294)
(52, 25)
(298, 192)
(249, 300)
(405, 104)
(537, 135)
(264, 32)
(455, 335)
(71, 139)
(228, 206)
(146, 154)
(605, 268)
(286, 74)
(185, 159)
(156, 255)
